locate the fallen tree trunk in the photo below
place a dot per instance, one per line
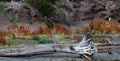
(85, 48)
(36, 50)
(26, 51)
(45, 49)
(39, 50)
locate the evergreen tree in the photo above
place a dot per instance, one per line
(44, 6)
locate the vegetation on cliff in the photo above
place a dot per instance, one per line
(44, 6)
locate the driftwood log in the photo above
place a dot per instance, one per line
(86, 48)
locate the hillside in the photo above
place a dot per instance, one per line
(58, 17)
(70, 13)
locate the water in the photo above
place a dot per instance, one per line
(64, 57)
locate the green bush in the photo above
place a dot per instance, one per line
(2, 9)
(44, 6)
(11, 19)
(49, 23)
(44, 41)
(41, 40)
(2, 6)
(12, 42)
(35, 38)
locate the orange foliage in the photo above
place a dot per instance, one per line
(42, 29)
(87, 30)
(9, 34)
(102, 26)
(2, 40)
(38, 31)
(24, 29)
(96, 26)
(62, 29)
(78, 31)
(20, 29)
(77, 40)
(47, 30)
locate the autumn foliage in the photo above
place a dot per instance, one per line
(2, 40)
(103, 27)
(62, 29)
(19, 29)
(42, 29)
(96, 26)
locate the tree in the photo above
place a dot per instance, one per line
(44, 6)
(117, 2)
(52, 1)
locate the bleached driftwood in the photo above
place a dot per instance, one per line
(85, 48)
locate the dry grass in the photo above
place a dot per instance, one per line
(62, 29)
(39, 31)
(101, 26)
(2, 40)
(42, 29)
(19, 29)
(78, 31)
